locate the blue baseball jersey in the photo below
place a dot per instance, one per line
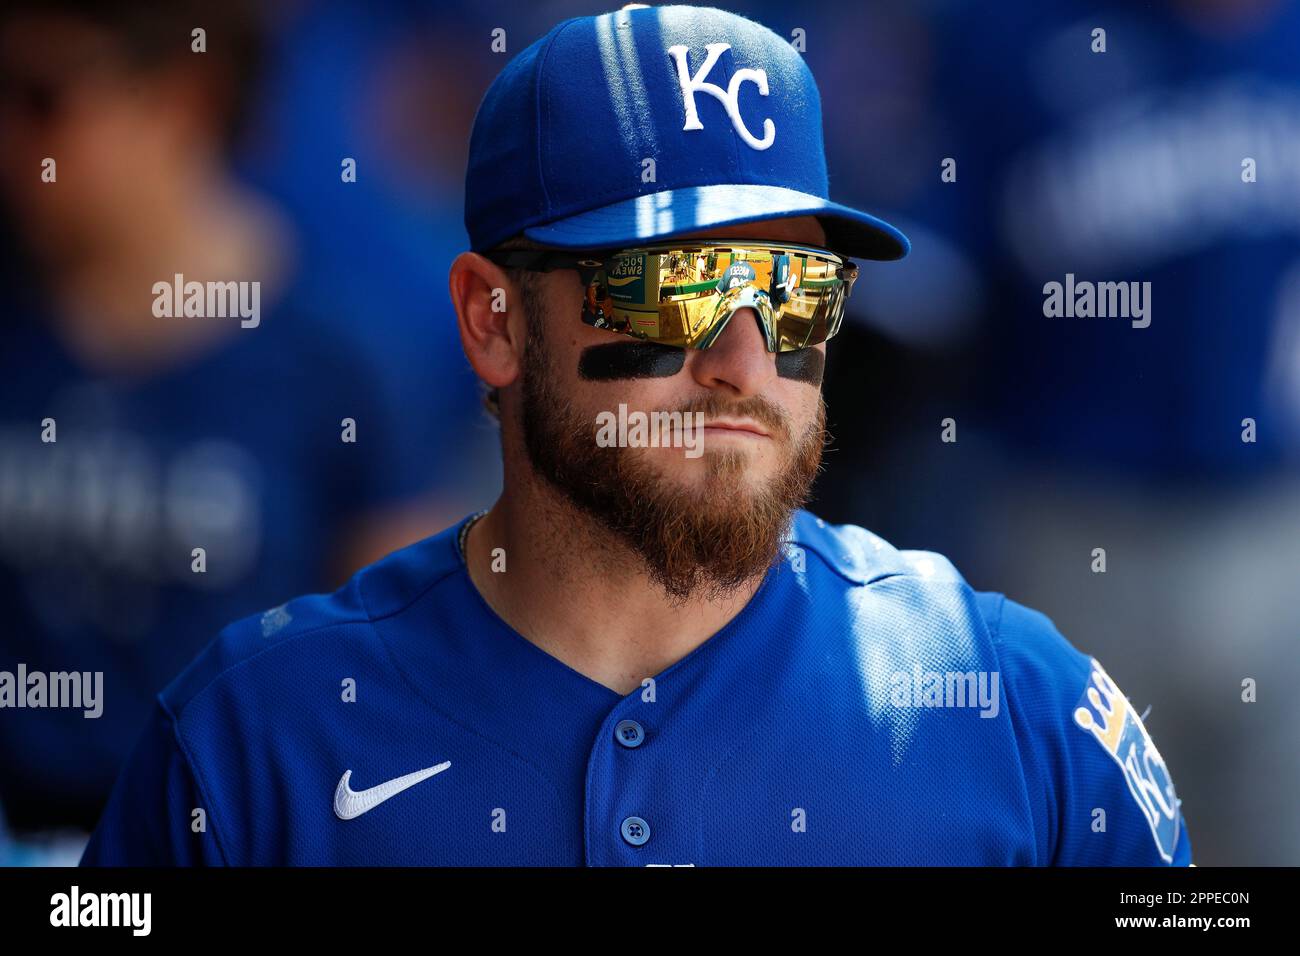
(866, 707)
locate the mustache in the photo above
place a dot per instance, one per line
(759, 409)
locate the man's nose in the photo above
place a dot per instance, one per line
(738, 360)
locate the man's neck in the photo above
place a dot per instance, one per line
(582, 596)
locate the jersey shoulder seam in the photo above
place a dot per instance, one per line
(197, 776)
(371, 618)
(365, 617)
(995, 626)
(995, 636)
(839, 572)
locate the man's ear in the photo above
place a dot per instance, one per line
(490, 317)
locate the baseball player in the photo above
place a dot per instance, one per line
(638, 656)
(738, 275)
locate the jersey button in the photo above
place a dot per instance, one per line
(629, 733)
(636, 831)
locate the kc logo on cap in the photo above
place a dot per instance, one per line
(729, 98)
(650, 122)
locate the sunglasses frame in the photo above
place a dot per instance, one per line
(588, 262)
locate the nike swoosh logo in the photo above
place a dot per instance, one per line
(350, 804)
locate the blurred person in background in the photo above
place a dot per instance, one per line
(392, 86)
(172, 433)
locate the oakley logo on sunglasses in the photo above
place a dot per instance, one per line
(729, 98)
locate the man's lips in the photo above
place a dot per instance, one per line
(739, 427)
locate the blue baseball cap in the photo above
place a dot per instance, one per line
(635, 126)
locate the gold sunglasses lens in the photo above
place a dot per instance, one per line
(685, 296)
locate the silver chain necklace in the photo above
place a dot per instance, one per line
(464, 534)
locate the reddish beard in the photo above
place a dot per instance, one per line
(707, 539)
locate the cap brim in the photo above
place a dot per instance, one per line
(662, 215)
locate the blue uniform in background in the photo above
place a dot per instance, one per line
(809, 730)
(239, 452)
(1131, 165)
